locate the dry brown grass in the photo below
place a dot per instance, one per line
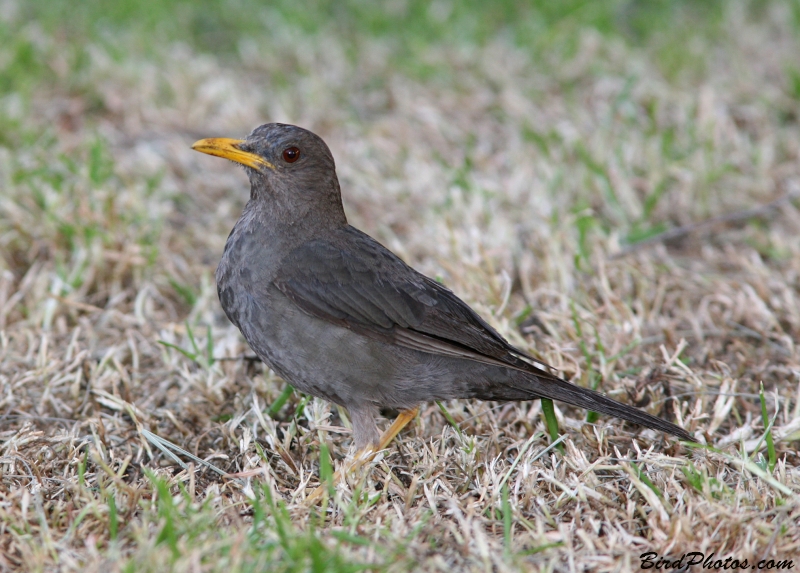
(513, 180)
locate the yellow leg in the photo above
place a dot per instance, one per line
(397, 426)
(366, 455)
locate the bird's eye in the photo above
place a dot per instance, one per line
(291, 154)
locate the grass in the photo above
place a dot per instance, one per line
(521, 153)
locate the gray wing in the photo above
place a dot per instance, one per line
(352, 280)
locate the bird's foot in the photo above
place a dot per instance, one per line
(367, 454)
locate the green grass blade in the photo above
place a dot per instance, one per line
(506, 509)
(276, 406)
(550, 420)
(449, 418)
(773, 458)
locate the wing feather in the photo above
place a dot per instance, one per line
(354, 281)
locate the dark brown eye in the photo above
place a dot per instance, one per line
(291, 154)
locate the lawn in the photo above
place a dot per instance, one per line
(614, 185)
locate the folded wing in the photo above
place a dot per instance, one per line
(352, 280)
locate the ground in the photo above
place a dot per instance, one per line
(613, 185)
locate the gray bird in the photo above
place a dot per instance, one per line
(339, 316)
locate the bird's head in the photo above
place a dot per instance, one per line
(291, 169)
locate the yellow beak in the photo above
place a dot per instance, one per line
(229, 149)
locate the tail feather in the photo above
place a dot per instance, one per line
(546, 385)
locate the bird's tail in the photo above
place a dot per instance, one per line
(525, 385)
